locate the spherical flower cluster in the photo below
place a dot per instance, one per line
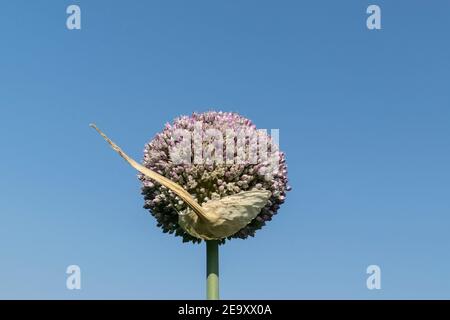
(205, 181)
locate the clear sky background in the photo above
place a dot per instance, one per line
(363, 116)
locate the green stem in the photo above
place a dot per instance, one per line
(212, 270)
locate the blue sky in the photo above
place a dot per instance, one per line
(363, 116)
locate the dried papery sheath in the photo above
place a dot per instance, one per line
(215, 219)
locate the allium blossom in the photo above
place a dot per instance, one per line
(245, 166)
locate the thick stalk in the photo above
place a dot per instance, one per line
(212, 270)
